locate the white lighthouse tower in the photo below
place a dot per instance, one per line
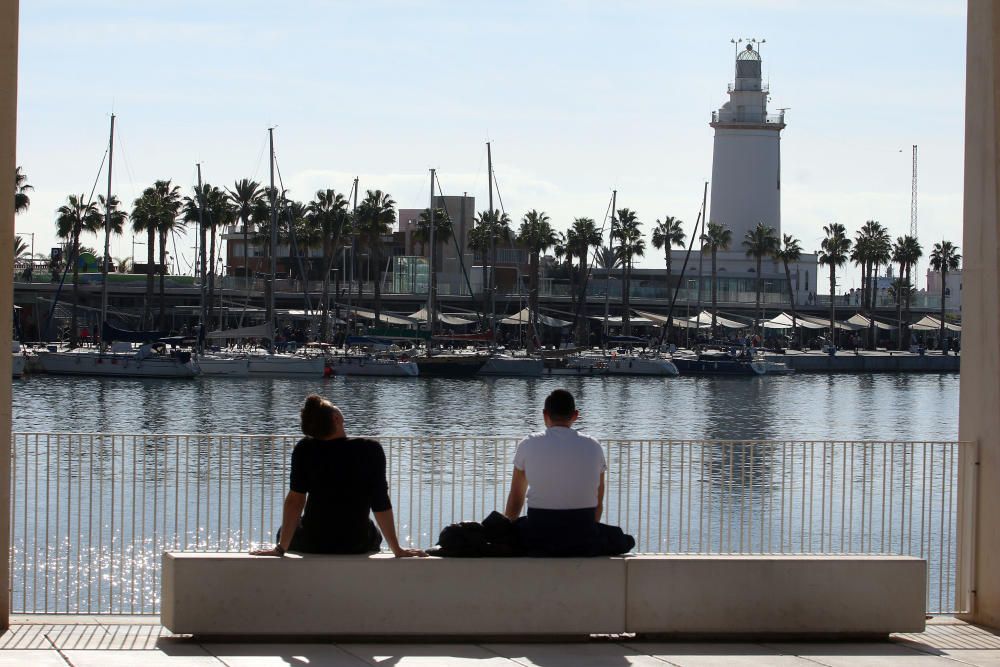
(746, 161)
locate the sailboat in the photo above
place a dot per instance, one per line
(150, 360)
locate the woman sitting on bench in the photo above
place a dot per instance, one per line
(337, 481)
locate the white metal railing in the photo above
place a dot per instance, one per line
(93, 512)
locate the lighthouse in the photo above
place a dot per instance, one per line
(746, 160)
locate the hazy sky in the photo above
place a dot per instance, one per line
(578, 98)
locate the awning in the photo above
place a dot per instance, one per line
(258, 331)
(618, 321)
(928, 323)
(678, 322)
(383, 317)
(784, 321)
(865, 322)
(421, 316)
(705, 318)
(523, 318)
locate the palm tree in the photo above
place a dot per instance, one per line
(872, 248)
(168, 208)
(373, 220)
(72, 219)
(20, 247)
(442, 234)
(630, 245)
(21, 188)
(760, 242)
(716, 237)
(537, 235)
(944, 258)
(244, 196)
(668, 235)
(114, 218)
(144, 220)
(328, 215)
(123, 264)
(789, 253)
(491, 228)
(834, 252)
(906, 251)
(580, 238)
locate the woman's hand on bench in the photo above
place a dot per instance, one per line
(409, 553)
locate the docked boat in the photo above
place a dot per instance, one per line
(366, 364)
(620, 364)
(286, 365)
(508, 365)
(223, 365)
(450, 364)
(18, 360)
(150, 360)
(728, 363)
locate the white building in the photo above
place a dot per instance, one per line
(746, 190)
(953, 289)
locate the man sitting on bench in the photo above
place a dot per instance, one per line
(561, 473)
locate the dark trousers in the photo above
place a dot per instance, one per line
(559, 532)
(306, 541)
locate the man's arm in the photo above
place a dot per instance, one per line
(295, 502)
(387, 525)
(600, 499)
(518, 491)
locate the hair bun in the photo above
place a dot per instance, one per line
(314, 401)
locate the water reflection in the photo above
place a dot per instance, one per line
(798, 407)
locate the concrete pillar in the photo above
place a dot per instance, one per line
(979, 412)
(8, 143)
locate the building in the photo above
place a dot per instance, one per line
(952, 292)
(746, 190)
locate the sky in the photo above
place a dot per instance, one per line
(577, 98)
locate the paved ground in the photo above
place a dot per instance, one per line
(106, 641)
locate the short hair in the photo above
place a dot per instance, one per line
(560, 404)
(317, 417)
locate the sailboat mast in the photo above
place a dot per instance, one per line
(492, 230)
(274, 239)
(431, 286)
(108, 209)
(350, 279)
(201, 256)
(607, 269)
(701, 255)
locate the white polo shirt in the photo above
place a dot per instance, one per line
(563, 468)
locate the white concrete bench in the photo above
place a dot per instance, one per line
(239, 595)
(776, 595)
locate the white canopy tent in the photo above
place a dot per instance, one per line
(928, 323)
(384, 317)
(784, 321)
(452, 320)
(865, 322)
(523, 318)
(705, 318)
(618, 321)
(679, 322)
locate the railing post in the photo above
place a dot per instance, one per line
(8, 144)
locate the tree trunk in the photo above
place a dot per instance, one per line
(327, 263)
(670, 315)
(533, 300)
(75, 258)
(907, 294)
(944, 279)
(377, 260)
(626, 294)
(833, 305)
(757, 314)
(163, 279)
(147, 311)
(581, 324)
(211, 279)
(791, 302)
(715, 292)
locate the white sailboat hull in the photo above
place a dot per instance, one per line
(626, 365)
(374, 367)
(224, 366)
(286, 365)
(112, 364)
(513, 367)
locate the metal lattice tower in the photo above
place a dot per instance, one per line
(913, 196)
